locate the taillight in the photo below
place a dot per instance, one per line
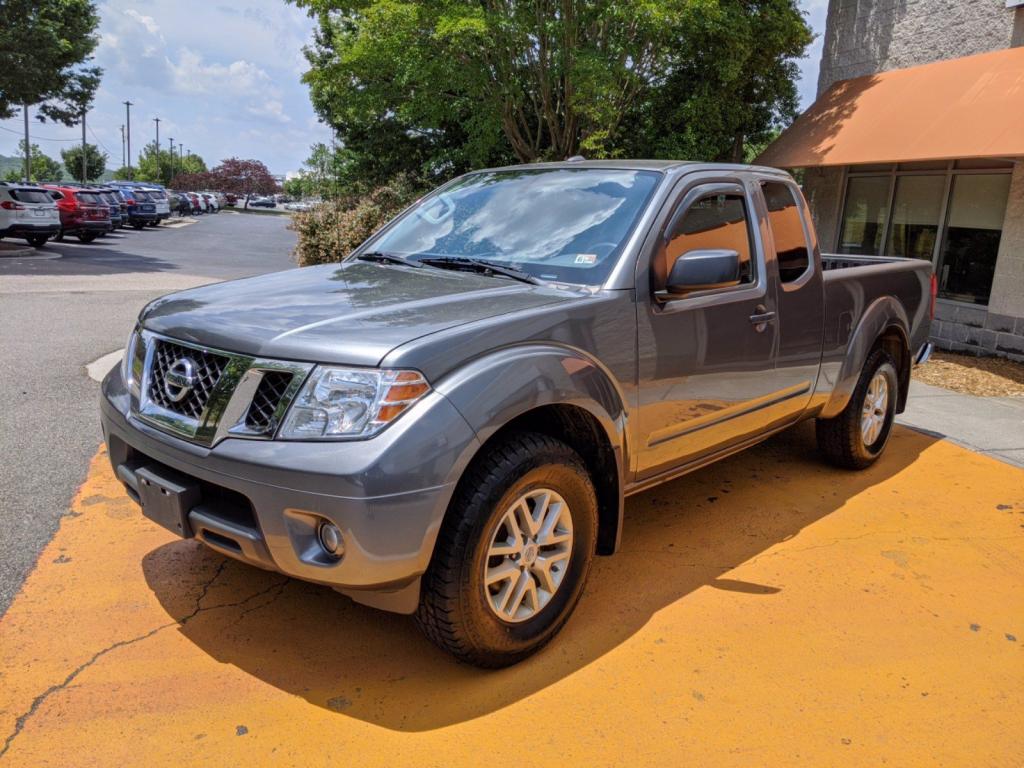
(7, 205)
(934, 291)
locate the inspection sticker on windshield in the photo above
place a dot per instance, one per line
(586, 258)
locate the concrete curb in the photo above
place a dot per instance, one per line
(12, 250)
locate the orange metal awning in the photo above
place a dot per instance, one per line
(969, 107)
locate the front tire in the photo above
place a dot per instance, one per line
(513, 554)
(37, 241)
(857, 436)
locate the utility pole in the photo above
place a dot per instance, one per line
(128, 120)
(84, 178)
(28, 148)
(171, 140)
(157, 145)
(122, 145)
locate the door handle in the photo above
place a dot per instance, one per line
(761, 318)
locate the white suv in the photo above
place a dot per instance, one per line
(27, 211)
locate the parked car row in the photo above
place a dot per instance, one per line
(53, 210)
(196, 203)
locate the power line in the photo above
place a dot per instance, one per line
(37, 138)
(98, 141)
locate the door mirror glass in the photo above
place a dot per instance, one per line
(704, 270)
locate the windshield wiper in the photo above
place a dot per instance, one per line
(387, 258)
(481, 266)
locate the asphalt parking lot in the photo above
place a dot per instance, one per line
(63, 308)
(769, 610)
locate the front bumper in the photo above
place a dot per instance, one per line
(261, 500)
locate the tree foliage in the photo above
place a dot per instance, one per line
(43, 167)
(44, 48)
(439, 86)
(161, 165)
(240, 177)
(95, 162)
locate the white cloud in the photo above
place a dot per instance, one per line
(147, 21)
(272, 108)
(191, 74)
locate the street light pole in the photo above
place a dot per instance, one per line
(157, 145)
(84, 177)
(171, 140)
(28, 148)
(128, 120)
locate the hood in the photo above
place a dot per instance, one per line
(352, 313)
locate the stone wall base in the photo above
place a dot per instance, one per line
(975, 330)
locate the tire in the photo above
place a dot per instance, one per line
(456, 608)
(59, 236)
(137, 225)
(87, 237)
(843, 440)
(37, 241)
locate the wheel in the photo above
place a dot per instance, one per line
(37, 241)
(856, 437)
(87, 237)
(137, 225)
(59, 236)
(513, 553)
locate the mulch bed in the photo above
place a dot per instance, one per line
(970, 375)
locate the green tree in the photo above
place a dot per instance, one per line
(43, 168)
(295, 187)
(45, 46)
(161, 166)
(95, 162)
(438, 86)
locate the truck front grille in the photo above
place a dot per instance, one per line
(260, 416)
(206, 367)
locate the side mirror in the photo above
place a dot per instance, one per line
(704, 270)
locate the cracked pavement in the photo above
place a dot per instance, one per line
(767, 610)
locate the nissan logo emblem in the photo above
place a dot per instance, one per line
(180, 379)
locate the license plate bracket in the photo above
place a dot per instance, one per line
(167, 497)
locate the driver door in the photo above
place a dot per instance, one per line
(706, 358)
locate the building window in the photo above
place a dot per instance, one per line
(954, 219)
(867, 206)
(915, 216)
(973, 229)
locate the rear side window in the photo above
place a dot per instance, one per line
(140, 196)
(715, 221)
(786, 224)
(30, 196)
(89, 198)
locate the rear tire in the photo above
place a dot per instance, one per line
(37, 241)
(137, 225)
(525, 474)
(87, 238)
(857, 436)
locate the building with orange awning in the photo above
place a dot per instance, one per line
(915, 147)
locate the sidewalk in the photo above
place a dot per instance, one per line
(990, 425)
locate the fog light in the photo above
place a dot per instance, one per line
(330, 538)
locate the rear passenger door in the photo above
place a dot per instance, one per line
(800, 291)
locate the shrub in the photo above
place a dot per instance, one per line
(333, 229)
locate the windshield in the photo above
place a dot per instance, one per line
(567, 225)
(140, 196)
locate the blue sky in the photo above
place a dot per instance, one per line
(224, 78)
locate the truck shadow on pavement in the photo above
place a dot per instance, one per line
(688, 534)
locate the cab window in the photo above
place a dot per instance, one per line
(786, 223)
(714, 221)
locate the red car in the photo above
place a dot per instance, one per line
(83, 212)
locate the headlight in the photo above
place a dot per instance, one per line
(351, 402)
(128, 361)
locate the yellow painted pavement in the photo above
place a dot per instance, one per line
(766, 611)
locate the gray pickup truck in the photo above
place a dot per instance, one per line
(447, 422)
